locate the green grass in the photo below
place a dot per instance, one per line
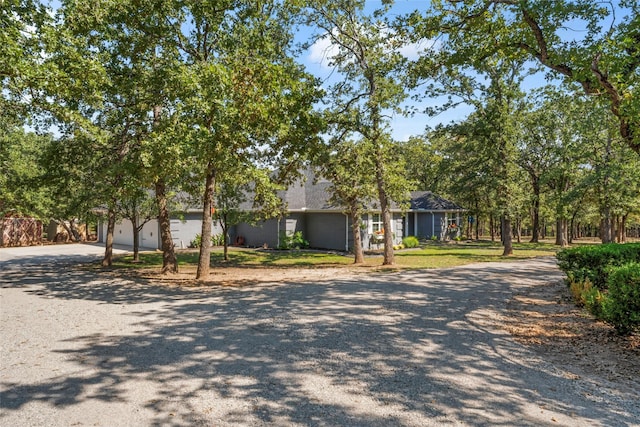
(437, 255)
(430, 255)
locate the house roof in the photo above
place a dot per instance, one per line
(428, 201)
(310, 193)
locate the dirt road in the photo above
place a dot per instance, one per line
(423, 348)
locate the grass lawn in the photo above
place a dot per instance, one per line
(429, 255)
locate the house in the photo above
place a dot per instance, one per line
(310, 212)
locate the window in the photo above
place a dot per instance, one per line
(452, 222)
(376, 223)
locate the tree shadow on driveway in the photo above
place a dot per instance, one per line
(410, 348)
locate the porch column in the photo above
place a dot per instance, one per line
(346, 233)
(415, 224)
(433, 224)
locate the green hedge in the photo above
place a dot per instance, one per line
(594, 262)
(605, 279)
(621, 305)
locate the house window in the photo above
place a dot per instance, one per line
(376, 224)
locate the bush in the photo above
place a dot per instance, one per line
(293, 241)
(588, 296)
(594, 262)
(621, 307)
(216, 240)
(410, 242)
(197, 241)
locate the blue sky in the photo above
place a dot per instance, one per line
(316, 62)
(403, 127)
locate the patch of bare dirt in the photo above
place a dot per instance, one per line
(544, 318)
(248, 276)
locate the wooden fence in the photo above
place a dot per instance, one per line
(20, 231)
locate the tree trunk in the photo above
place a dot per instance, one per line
(76, 236)
(386, 213)
(618, 231)
(358, 254)
(478, 227)
(225, 234)
(136, 238)
(507, 238)
(518, 230)
(169, 260)
(66, 228)
(606, 227)
(573, 227)
(108, 247)
(204, 260)
(561, 232)
(535, 214)
(388, 234)
(623, 229)
(225, 248)
(492, 228)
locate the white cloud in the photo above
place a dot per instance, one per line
(413, 51)
(322, 51)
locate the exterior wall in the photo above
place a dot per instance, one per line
(265, 232)
(397, 220)
(183, 232)
(397, 227)
(428, 224)
(150, 235)
(294, 222)
(326, 231)
(123, 234)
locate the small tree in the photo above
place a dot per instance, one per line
(233, 195)
(344, 163)
(371, 89)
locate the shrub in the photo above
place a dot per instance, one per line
(594, 262)
(588, 296)
(293, 241)
(410, 242)
(197, 241)
(216, 240)
(621, 307)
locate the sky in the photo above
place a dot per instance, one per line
(316, 62)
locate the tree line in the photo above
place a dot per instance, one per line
(150, 100)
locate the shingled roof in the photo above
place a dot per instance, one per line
(427, 201)
(312, 194)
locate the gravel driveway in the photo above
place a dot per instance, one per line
(419, 348)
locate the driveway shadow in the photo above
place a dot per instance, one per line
(407, 348)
